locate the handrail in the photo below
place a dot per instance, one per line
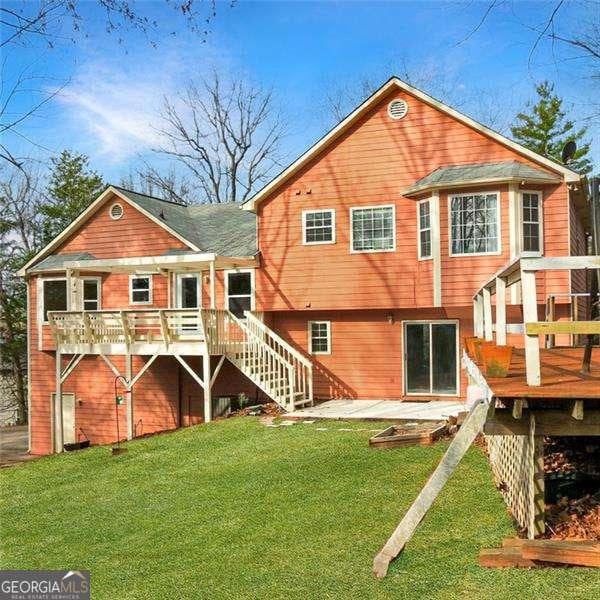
(251, 317)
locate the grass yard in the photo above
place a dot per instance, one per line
(234, 509)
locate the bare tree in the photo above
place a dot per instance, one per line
(168, 185)
(20, 230)
(226, 137)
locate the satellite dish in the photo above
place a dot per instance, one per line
(568, 151)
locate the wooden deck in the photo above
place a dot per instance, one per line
(561, 377)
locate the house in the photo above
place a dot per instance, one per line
(351, 274)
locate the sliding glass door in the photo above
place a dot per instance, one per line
(431, 357)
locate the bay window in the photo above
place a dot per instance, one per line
(474, 223)
(424, 216)
(531, 222)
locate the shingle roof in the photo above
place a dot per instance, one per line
(224, 229)
(510, 170)
(56, 262)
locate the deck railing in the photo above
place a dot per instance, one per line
(523, 270)
(126, 326)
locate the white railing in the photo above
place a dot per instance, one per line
(126, 326)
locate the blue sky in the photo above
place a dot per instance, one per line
(110, 93)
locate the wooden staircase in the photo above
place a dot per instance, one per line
(274, 366)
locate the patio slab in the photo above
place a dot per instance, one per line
(382, 410)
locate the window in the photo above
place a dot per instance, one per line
(319, 335)
(474, 224)
(91, 293)
(373, 229)
(54, 296)
(239, 287)
(424, 229)
(318, 226)
(140, 289)
(532, 222)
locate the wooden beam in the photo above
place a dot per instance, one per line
(552, 422)
(191, 371)
(572, 327)
(129, 396)
(560, 263)
(458, 447)
(577, 410)
(213, 298)
(478, 315)
(537, 525)
(146, 366)
(216, 371)
(70, 367)
(500, 311)
(58, 411)
(517, 408)
(532, 348)
(557, 551)
(207, 389)
(110, 365)
(487, 315)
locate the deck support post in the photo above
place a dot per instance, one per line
(57, 408)
(530, 315)
(129, 396)
(538, 509)
(478, 315)
(487, 315)
(500, 311)
(213, 300)
(207, 388)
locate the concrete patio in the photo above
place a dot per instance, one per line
(382, 410)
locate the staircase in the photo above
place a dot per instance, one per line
(274, 366)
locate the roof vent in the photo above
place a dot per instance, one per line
(397, 109)
(116, 211)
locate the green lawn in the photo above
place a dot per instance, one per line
(234, 509)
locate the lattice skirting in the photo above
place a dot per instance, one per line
(517, 464)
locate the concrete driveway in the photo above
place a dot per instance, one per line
(13, 445)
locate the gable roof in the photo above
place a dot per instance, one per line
(224, 229)
(357, 113)
(454, 176)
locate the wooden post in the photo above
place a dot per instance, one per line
(129, 394)
(213, 300)
(574, 317)
(58, 412)
(207, 388)
(478, 315)
(538, 509)
(487, 315)
(500, 311)
(550, 316)
(532, 347)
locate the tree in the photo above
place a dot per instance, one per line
(545, 130)
(226, 137)
(168, 185)
(19, 241)
(71, 189)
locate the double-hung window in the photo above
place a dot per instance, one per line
(54, 296)
(474, 223)
(531, 222)
(319, 337)
(239, 291)
(91, 293)
(424, 216)
(373, 229)
(140, 289)
(318, 226)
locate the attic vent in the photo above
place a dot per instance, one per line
(116, 211)
(397, 109)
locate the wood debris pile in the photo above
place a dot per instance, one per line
(574, 519)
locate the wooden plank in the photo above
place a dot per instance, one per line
(501, 558)
(556, 551)
(500, 311)
(572, 327)
(458, 447)
(577, 410)
(547, 422)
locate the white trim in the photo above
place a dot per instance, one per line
(498, 229)
(40, 299)
(540, 195)
(420, 231)
(90, 210)
(456, 323)
(368, 207)
(252, 287)
(98, 280)
(178, 295)
(318, 210)
(110, 211)
(150, 287)
(28, 342)
(395, 83)
(436, 248)
(309, 345)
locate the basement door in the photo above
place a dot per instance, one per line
(431, 358)
(68, 417)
